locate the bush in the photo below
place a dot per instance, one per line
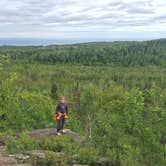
(50, 159)
(87, 155)
(21, 145)
(58, 144)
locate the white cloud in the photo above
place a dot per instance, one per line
(69, 18)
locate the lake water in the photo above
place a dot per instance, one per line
(45, 41)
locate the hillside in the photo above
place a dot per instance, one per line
(113, 53)
(118, 109)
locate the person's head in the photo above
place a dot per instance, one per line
(62, 99)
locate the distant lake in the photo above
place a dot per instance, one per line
(45, 41)
(35, 41)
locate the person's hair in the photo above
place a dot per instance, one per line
(62, 97)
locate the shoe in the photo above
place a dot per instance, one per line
(63, 131)
(58, 133)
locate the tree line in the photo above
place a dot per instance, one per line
(112, 53)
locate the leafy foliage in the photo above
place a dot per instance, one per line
(114, 53)
(119, 110)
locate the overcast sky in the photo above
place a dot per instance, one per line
(94, 19)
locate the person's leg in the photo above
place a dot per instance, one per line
(58, 125)
(63, 121)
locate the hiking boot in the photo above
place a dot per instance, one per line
(63, 131)
(58, 133)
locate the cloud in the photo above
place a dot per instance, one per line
(34, 17)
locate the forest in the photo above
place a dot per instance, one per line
(111, 53)
(116, 94)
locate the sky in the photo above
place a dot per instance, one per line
(83, 19)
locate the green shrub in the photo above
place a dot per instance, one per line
(50, 159)
(58, 144)
(87, 155)
(21, 144)
(54, 160)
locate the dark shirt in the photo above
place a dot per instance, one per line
(62, 107)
